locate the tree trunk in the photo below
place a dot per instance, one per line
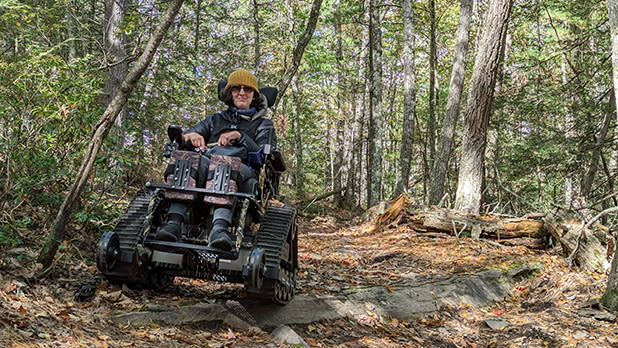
(296, 108)
(447, 136)
(196, 38)
(354, 191)
(570, 182)
(406, 151)
(610, 297)
(299, 50)
(340, 136)
(115, 55)
(598, 148)
(298, 141)
(71, 24)
(433, 66)
(374, 167)
(480, 97)
(101, 130)
(256, 38)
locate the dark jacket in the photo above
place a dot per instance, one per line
(256, 132)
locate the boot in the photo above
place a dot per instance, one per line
(219, 237)
(170, 232)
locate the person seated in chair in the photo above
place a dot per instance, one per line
(240, 126)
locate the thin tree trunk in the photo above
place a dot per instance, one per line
(196, 39)
(433, 66)
(610, 297)
(360, 88)
(341, 124)
(71, 24)
(598, 149)
(256, 39)
(480, 97)
(102, 128)
(406, 151)
(115, 55)
(296, 108)
(298, 141)
(438, 176)
(569, 132)
(299, 50)
(375, 153)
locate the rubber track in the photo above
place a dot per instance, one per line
(132, 222)
(273, 233)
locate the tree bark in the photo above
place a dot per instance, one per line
(256, 38)
(354, 192)
(433, 66)
(102, 128)
(439, 171)
(525, 231)
(610, 297)
(340, 136)
(598, 148)
(299, 50)
(480, 97)
(298, 141)
(406, 151)
(115, 55)
(375, 153)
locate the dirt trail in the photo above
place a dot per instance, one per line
(552, 308)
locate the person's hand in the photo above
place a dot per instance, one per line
(195, 139)
(229, 138)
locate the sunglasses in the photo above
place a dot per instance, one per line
(247, 89)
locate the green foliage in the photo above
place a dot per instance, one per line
(10, 232)
(549, 102)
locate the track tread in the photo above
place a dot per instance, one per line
(273, 234)
(132, 222)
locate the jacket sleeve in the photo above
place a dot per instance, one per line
(203, 128)
(264, 134)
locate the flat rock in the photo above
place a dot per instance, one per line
(419, 296)
(285, 334)
(204, 314)
(414, 299)
(496, 324)
(598, 315)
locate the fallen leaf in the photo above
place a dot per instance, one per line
(10, 287)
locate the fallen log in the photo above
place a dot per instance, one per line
(588, 245)
(529, 232)
(587, 249)
(489, 227)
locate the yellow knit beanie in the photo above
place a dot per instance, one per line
(242, 77)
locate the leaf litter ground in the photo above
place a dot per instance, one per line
(554, 308)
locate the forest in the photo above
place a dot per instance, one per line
(490, 107)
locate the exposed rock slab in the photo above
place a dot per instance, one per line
(418, 297)
(203, 314)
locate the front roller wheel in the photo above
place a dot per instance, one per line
(108, 252)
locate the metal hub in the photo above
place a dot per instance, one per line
(108, 252)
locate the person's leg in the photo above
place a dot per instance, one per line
(219, 236)
(222, 218)
(171, 230)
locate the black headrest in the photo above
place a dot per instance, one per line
(269, 92)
